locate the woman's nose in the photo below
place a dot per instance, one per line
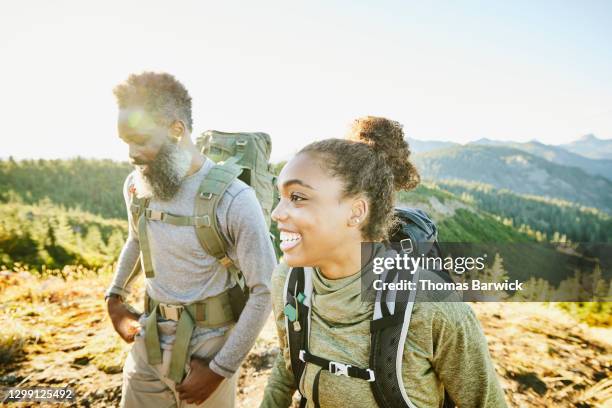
(279, 214)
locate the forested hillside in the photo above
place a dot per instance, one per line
(55, 231)
(527, 253)
(516, 170)
(91, 185)
(558, 219)
(459, 220)
(51, 236)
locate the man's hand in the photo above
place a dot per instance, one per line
(124, 320)
(199, 384)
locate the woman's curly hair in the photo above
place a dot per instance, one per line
(374, 161)
(160, 94)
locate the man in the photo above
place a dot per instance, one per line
(155, 122)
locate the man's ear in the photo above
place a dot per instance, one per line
(359, 211)
(177, 130)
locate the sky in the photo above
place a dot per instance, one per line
(303, 70)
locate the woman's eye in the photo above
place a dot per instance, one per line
(295, 197)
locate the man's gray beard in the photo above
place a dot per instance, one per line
(165, 173)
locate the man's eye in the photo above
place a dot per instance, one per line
(295, 197)
(134, 140)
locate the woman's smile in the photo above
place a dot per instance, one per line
(289, 240)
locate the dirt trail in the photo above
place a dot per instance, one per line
(544, 357)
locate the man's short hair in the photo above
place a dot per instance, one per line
(160, 94)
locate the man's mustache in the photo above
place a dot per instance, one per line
(134, 162)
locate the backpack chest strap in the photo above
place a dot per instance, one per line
(337, 368)
(149, 214)
(178, 220)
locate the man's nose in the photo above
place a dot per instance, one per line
(133, 152)
(135, 156)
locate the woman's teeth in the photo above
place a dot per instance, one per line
(289, 240)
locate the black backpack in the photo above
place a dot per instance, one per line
(415, 232)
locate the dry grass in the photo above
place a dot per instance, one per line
(12, 342)
(545, 357)
(60, 336)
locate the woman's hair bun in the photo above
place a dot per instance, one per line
(386, 138)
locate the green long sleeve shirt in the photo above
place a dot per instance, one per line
(445, 349)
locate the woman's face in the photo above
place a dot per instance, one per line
(314, 221)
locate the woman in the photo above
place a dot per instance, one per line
(336, 194)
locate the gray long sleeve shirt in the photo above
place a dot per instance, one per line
(185, 273)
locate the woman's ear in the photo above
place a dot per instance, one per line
(359, 212)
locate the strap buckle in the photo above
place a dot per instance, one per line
(154, 215)
(406, 245)
(203, 221)
(371, 372)
(226, 261)
(339, 368)
(301, 356)
(241, 142)
(171, 312)
(206, 196)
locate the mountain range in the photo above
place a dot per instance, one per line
(588, 146)
(558, 155)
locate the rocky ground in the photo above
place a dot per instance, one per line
(55, 333)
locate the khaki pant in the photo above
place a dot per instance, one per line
(147, 386)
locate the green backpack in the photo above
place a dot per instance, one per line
(237, 155)
(249, 151)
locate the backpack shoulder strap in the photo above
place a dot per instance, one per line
(297, 293)
(389, 329)
(214, 185)
(212, 188)
(138, 209)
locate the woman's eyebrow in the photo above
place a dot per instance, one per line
(296, 181)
